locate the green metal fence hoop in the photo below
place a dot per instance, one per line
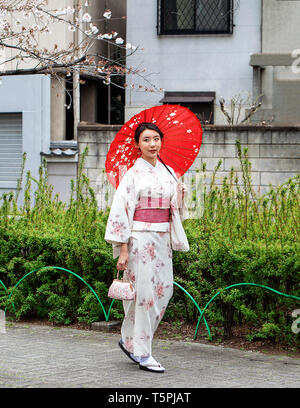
(197, 306)
(7, 292)
(106, 315)
(241, 284)
(3, 285)
(95, 294)
(66, 270)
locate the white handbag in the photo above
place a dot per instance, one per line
(121, 289)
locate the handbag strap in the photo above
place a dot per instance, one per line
(123, 278)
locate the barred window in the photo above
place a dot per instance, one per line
(195, 16)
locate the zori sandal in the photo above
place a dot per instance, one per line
(153, 367)
(136, 360)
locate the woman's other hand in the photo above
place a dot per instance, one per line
(123, 258)
(181, 189)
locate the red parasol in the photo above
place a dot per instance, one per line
(180, 145)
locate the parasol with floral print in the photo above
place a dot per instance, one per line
(180, 145)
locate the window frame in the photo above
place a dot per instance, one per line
(162, 31)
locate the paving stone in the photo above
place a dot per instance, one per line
(106, 326)
(34, 356)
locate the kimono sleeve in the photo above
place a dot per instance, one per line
(179, 240)
(120, 219)
(179, 202)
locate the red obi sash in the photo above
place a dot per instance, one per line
(152, 209)
(152, 215)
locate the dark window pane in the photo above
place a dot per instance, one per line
(204, 111)
(213, 15)
(177, 15)
(168, 15)
(185, 14)
(194, 16)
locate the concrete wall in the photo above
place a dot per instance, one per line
(32, 98)
(60, 175)
(280, 80)
(273, 151)
(191, 62)
(280, 26)
(58, 109)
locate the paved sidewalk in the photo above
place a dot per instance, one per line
(42, 356)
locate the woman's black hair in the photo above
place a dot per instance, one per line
(146, 125)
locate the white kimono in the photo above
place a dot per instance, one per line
(150, 246)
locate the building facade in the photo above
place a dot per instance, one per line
(197, 51)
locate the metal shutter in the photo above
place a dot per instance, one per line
(11, 146)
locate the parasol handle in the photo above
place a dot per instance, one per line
(167, 169)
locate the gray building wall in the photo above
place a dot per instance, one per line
(273, 152)
(212, 62)
(280, 28)
(60, 174)
(274, 74)
(31, 97)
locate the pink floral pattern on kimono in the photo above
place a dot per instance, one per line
(136, 256)
(160, 289)
(130, 275)
(149, 252)
(129, 344)
(161, 314)
(118, 228)
(158, 266)
(130, 316)
(147, 303)
(144, 336)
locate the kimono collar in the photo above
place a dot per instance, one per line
(149, 164)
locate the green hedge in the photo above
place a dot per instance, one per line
(239, 238)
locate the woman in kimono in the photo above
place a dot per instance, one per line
(144, 226)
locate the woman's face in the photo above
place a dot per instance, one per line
(150, 144)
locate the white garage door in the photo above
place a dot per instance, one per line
(11, 149)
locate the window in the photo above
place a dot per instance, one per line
(11, 149)
(200, 103)
(195, 16)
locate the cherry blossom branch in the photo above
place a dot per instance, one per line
(23, 21)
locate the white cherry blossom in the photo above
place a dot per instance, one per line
(107, 14)
(94, 29)
(70, 10)
(106, 36)
(87, 18)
